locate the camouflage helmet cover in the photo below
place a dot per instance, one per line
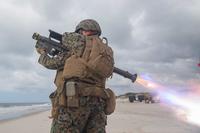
(89, 24)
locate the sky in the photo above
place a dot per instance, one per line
(159, 39)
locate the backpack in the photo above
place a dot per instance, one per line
(96, 61)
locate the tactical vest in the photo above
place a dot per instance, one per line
(94, 64)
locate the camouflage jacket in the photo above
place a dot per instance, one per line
(75, 43)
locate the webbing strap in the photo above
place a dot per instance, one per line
(88, 49)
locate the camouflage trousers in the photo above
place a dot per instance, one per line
(89, 117)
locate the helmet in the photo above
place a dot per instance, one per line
(89, 24)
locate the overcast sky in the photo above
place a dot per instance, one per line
(160, 39)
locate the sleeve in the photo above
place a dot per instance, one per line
(53, 63)
(74, 42)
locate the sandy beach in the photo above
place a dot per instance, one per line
(128, 118)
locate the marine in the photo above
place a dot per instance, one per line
(81, 102)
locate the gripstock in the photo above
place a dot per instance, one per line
(53, 45)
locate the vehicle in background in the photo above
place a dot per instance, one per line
(147, 97)
(151, 98)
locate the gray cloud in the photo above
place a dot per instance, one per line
(159, 38)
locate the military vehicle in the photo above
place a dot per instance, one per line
(140, 97)
(146, 97)
(151, 98)
(132, 98)
(135, 97)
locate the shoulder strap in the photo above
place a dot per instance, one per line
(88, 48)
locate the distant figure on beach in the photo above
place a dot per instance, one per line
(80, 104)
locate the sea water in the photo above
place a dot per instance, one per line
(15, 110)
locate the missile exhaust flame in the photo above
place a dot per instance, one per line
(186, 106)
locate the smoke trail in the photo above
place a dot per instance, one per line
(186, 106)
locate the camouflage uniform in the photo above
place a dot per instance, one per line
(89, 117)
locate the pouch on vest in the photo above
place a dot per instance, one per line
(54, 102)
(110, 102)
(62, 98)
(74, 68)
(71, 94)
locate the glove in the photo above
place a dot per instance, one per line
(40, 50)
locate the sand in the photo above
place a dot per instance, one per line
(128, 118)
(35, 123)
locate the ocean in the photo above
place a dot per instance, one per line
(15, 110)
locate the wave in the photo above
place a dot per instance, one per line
(14, 110)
